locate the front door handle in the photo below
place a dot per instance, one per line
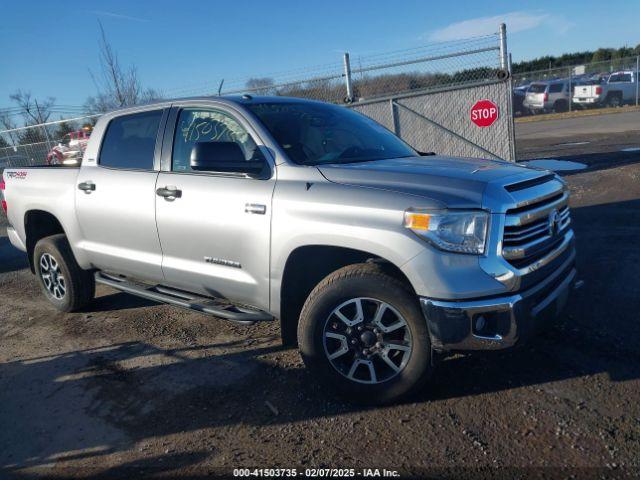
(87, 187)
(170, 193)
(255, 208)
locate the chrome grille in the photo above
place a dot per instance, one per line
(536, 226)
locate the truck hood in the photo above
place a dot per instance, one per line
(453, 181)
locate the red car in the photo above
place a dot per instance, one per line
(70, 149)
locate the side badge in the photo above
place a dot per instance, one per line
(222, 261)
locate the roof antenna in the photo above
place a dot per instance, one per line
(220, 87)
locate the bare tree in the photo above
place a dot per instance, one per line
(33, 110)
(3, 143)
(8, 124)
(117, 86)
(261, 85)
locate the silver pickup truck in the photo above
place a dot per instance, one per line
(620, 88)
(375, 259)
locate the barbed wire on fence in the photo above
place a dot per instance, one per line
(378, 74)
(386, 73)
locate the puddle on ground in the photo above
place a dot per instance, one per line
(555, 165)
(631, 149)
(571, 144)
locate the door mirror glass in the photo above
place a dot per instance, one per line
(225, 157)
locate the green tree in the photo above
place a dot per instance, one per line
(62, 129)
(602, 55)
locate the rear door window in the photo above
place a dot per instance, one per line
(620, 78)
(556, 87)
(537, 87)
(130, 141)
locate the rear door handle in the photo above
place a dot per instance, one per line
(87, 187)
(170, 193)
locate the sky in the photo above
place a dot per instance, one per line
(50, 48)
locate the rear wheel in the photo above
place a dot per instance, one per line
(614, 100)
(362, 332)
(63, 282)
(560, 106)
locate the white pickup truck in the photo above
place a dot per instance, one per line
(620, 88)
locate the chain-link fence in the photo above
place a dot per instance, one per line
(432, 111)
(617, 80)
(443, 81)
(357, 78)
(53, 143)
(439, 121)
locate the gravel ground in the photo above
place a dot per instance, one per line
(130, 388)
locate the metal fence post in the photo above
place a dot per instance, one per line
(637, 79)
(394, 116)
(347, 76)
(505, 64)
(504, 61)
(570, 87)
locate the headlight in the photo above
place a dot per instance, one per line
(450, 230)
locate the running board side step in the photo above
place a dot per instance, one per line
(210, 306)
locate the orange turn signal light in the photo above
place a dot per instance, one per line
(417, 221)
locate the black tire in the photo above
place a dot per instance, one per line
(561, 106)
(77, 285)
(614, 100)
(369, 282)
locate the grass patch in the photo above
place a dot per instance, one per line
(576, 113)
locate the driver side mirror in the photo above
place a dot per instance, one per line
(223, 157)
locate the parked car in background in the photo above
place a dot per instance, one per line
(518, 100)
(70, 149)
(548, 96)
(375, 258)
(619, 88)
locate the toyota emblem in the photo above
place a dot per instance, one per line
(554, 222)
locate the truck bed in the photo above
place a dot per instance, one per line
(47, 188)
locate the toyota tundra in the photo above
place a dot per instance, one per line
(375, 259)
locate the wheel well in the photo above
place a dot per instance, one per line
(39, 224)
(306, 267)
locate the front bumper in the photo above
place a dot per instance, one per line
(455, 326)
(534, 106)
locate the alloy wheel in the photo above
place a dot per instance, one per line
(52, 277)
(367, 340)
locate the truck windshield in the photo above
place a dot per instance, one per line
(316, 133)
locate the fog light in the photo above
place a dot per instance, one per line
(485, 325)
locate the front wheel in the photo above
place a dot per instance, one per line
(363, 333)
(63, 282)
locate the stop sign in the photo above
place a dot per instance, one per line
(484, 113)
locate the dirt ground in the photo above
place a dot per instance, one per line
(129, 388)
